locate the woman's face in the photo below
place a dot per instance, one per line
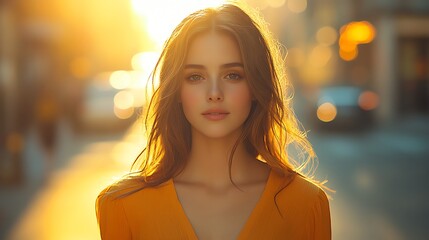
(215, 95)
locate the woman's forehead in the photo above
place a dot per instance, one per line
(213, 47)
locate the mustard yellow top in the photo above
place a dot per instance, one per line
(302, 212)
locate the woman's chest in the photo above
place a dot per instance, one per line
(218, 215)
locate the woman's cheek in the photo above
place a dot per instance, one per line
(242, 96)
(189, 97)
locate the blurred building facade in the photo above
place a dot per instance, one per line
(394, 64)
(10, 139)
(49, 51)
(402, 57)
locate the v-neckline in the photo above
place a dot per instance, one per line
(256, 211)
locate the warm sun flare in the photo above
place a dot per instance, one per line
(159, 17)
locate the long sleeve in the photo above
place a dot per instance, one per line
(111, 218)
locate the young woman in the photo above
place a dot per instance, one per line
(216, 165)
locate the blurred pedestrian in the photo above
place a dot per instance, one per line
(215, 166)
(47, 116)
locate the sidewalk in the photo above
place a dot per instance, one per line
(63, 207)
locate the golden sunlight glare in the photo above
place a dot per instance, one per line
(161, 16)
(120, 79)
(144, 61)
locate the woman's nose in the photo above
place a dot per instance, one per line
(215, 93)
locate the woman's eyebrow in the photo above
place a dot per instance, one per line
(195, 66)
(230, 65)
(226, 65)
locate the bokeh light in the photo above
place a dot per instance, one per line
(124, 100)
(275, 3)
(346, 44)
(360, 32)
(368, 100)
(120, 79)
(144, 61)
(297, 6)
(353, 34)
(326, 112)
(320, 56)
(348, 55)
(326, 35)
(123, 113)
(139, 95)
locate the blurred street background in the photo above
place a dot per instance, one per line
(73, 82)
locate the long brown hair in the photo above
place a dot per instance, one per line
(271, 126)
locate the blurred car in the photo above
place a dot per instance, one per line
(99, 112)
(344, 108)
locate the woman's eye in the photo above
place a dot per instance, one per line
(233, 76)
(195, 77)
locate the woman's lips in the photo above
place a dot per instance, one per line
(215, 115)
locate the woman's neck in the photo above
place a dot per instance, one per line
(208, 162)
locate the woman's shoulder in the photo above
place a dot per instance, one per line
(128, 189)
(300, 189)
(117, 189)
(303, 207)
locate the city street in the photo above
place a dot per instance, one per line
(380, 178)
(63, 206)
(75, 75)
